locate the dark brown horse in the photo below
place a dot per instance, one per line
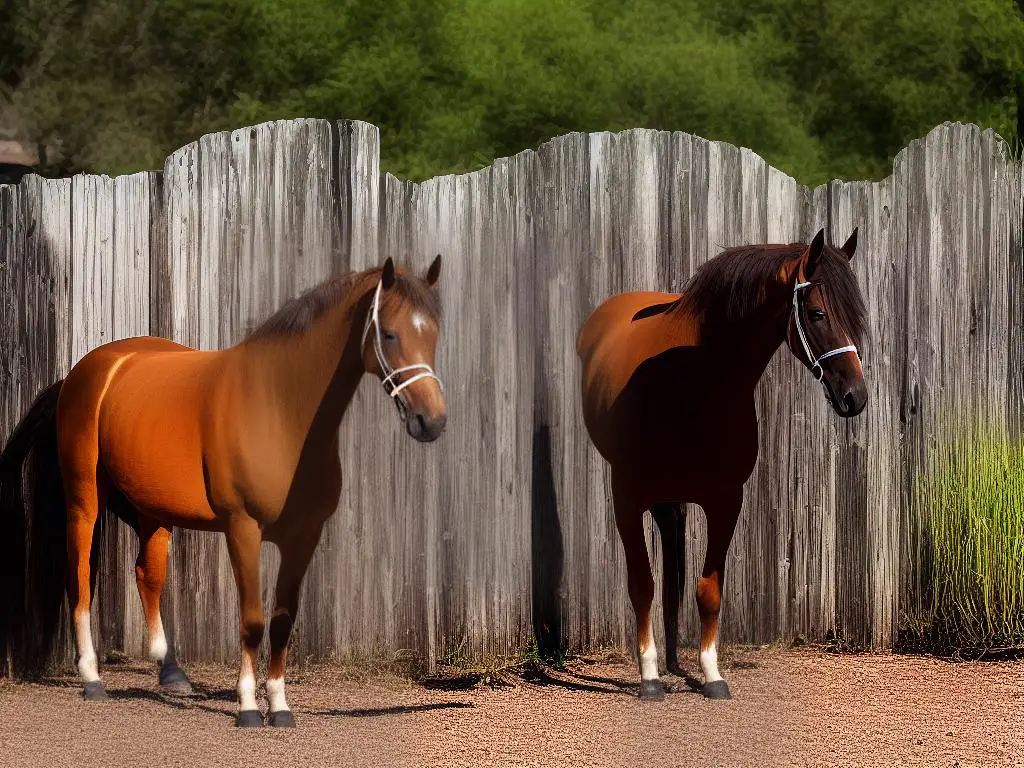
(243, 441)
(668, 400)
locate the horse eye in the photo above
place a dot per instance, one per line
(816, 315)
(389, 336)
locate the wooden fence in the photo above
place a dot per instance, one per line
(427, 556)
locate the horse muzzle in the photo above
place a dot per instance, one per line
(850, 404)
(424, 428)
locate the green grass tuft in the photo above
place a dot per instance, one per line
(972, 511)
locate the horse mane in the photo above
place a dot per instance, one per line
(297, 315)
(734, 284)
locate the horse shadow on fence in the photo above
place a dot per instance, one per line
(547, 551)
(34, 620)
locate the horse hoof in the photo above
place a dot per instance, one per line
(249, 718)
(174, 681)
(282, 719)
(652, 690)
(94, 691)
(717, 689)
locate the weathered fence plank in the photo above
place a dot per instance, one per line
(504, 529)
(129, 264)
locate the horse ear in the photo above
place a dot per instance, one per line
(850, 246)
(434, 271)
(387, 275)
(813, 254)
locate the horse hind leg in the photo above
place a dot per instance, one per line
(86, 495)
(150, 576)
(721, 522)
(629, 520)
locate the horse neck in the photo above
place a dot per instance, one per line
(743, 347)
(759, 339)
(311, 377)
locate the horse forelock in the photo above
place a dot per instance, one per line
(845, 300)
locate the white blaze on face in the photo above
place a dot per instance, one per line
(709, 664)
(419, 322)
(158, 642)
(87, 666)
(275, 692)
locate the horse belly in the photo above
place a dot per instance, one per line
(682, 448)
(151, 448)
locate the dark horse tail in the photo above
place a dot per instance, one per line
(33, 543)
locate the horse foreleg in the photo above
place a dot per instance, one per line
(671, 520)
(150, 576)
(243, 539)
(630, 522)
(295, 556)
(86, 497)
(721, 519)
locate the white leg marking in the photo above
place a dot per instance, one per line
(247, 692)
(709, 663)
(275, 692)
(158, 642)
(649, 658)
(87, 666)
(649, 662)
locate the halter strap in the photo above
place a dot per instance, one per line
(392, 375)
(814, 361)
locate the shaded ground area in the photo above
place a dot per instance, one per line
(791, 707)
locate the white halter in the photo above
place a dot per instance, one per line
(814, 361)
(391, 374)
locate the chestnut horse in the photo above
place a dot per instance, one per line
(243, 441)
(668, 401)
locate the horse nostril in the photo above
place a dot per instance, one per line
(849, 402)
(421, 424)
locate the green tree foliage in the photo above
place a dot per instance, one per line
(820, 88)
(115, 85)
(871, 76)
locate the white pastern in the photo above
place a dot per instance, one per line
(275, 692)
(158, 642)
(709, 663)
(247, 692)
(649, 662)
(87, 666)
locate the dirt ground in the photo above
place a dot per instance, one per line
(791, 707)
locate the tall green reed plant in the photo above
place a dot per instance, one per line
(971, 502)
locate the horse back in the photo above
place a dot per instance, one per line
(614, 318)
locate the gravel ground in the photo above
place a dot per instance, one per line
(791, 707)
